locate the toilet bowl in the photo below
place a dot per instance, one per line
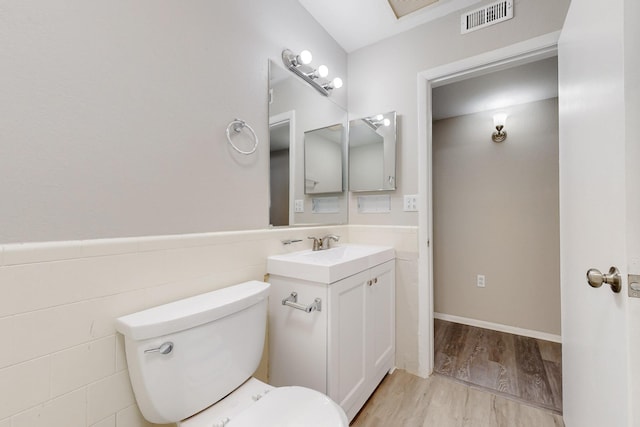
(191, 362)
(257, 404)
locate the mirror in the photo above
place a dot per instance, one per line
(298, 113)
(323, 160)
(372, 153)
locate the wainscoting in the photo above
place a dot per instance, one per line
(523, 368)
(64, 363)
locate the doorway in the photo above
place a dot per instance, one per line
(521, 53)
(496, 219)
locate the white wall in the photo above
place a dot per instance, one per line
(382, 77)
(113, 114)
(495, 209)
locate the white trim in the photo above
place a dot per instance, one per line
(519, 53)
(499, 327)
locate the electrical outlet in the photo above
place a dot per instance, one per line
(410, 203)
(299, 206)
(480, 281)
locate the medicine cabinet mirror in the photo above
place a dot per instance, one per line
(372, 153)
(323, 164)
(298, 113)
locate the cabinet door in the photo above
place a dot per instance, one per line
(297, 340)
(381, 297)
(347, 340)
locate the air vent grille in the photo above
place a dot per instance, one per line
(486, 16)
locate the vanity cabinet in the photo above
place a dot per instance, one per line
(345, 349)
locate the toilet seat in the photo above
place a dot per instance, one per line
(258, 404)
(292, 407)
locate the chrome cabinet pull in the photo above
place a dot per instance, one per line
(165, 348)
(596, 278)
(292, 301)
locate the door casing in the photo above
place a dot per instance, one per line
(538, 48)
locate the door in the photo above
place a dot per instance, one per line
(593, 191)
(381, 325)
(347, 340)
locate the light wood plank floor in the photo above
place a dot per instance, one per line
(405, 400)
(514, 366)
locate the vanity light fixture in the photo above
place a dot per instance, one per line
(299, 65)
(322, 71)
(499, 120)
(374, 122)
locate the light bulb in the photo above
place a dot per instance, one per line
(323, 71)
(386, 122)
(337, 83)
(305, 57)
(499, 119)
(379, 117)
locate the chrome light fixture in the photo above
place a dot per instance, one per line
(317, 78)
(499, 120)
(374, 122)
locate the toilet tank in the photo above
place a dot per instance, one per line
(216, 342)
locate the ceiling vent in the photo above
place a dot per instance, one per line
(486, 16)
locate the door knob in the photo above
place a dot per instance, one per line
(596, 278)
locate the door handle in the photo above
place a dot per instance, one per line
(613, 278)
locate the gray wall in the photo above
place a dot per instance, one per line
(496, 213)
(113, 113)
(383, 77)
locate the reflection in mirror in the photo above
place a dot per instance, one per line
(372, 153)
(280, 134)
(323, 160)
(298, 107)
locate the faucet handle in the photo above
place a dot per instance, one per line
(325, 242)
(317, 243)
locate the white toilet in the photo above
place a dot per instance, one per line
(191, 363)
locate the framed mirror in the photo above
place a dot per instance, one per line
(297, 112)
(372, 153)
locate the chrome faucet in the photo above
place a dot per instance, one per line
(322, 243)
(326, 241)
(317, 243)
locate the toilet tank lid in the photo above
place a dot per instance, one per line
(191, 312)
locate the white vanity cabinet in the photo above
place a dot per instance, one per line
(343, 350)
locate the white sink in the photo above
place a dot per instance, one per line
(329, 265)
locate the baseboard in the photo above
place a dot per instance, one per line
(499, 327)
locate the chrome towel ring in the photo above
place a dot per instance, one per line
(237, 125)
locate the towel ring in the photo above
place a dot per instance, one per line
(237, 125)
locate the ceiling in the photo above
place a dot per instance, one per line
(358, 23)
(522, 84)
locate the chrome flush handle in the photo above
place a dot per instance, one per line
(165, 348)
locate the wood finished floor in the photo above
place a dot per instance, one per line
(405, 400)
(524, 368)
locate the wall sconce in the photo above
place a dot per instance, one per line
(499, 120)
(299, 65)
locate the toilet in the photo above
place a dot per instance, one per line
(191, 363)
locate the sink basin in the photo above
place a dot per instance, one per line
(329, 265)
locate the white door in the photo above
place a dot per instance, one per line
(593, 191)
